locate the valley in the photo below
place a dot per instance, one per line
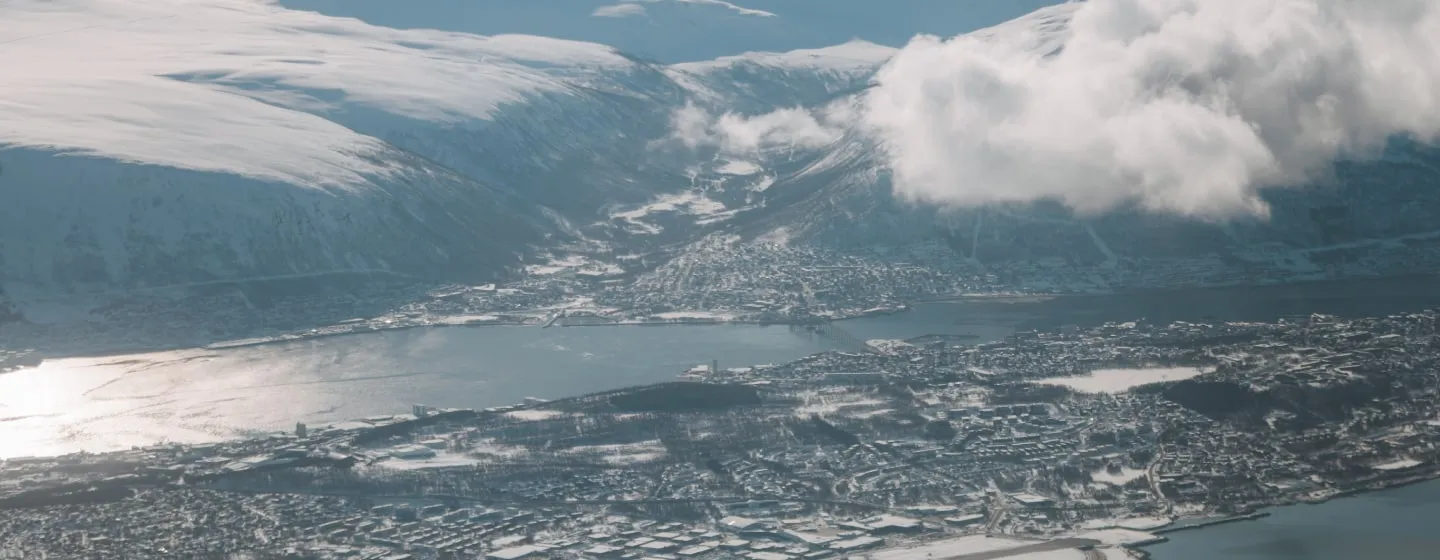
(556, 176)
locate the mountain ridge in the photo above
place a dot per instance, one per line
(450, 157)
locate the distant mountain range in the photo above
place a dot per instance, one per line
(236, 139)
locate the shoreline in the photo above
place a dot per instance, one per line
(1136, 550)
(1345, 488)
(1204, 522)
(1267, 510)
(537, 322)
(521, 320)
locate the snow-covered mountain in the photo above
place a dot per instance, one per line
(173, 142)
(90, 223)
(760, 81)
(166, 143)
(1371, 216)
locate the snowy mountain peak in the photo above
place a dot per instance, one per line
(240, 139)
(247, 87)
(855, 55)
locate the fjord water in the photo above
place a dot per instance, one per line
(1394, 524)
(196, 395)
(98, 404)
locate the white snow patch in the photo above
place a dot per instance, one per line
(534, 415)
(439, 461)
(1120, 537)
(825, 404)
(689, 202)
(493, 448)
(1398, 465)
(693, 316)
(1125, 476)
(468, 319)
(888, 345)
(856, 56)
(1121, 380)
(578, 264)
(738, 168)
(623, 453)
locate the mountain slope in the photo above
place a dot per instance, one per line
(236, 139)
(761, 81)
(1370, 217)
(96, 224)
(294, 143)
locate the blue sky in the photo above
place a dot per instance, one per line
(686, 30)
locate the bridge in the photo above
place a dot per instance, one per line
(832, 332)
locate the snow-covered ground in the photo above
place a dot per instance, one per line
(855, 58)
(738, 168)
(1121, 537)
(573, 263)
(1121, 380)
(888, 346)
(692, 203)
(1134, 523)
(1401, 464)
(623, 454)
(495, 450)
(694, 316)
(235, 86)
(821, 403)
(440, 460)
(1120, 479)
(535, 415)
(974, 544)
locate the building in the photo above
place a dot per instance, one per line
(1032, 500)
(517, 552)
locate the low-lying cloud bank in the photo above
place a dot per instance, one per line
(1176, 106)
(736, 134)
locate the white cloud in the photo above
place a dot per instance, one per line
(246, 87)
(733, 133)
(740, 10)
(729, 6)
(619, 10)
(1179, 106)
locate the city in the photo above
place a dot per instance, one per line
(712, 279)
(1073, 443)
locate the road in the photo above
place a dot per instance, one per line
(1058, 544)
(1152, 473)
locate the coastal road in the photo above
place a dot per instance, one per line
(1152, 473)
